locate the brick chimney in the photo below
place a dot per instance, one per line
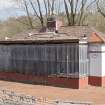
(53, 24)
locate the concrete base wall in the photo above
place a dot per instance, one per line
(83, 82)
(96, 81)
(103, 81)
(74, 83)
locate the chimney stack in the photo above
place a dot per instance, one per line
(53, 24)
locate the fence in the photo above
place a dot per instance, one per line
(12, 98)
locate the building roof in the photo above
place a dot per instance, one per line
(65, 33)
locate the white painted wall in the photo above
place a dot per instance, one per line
(95, 60)
(103, 60)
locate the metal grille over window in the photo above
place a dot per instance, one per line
(44, 60)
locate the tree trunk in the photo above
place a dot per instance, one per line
(67, 12)
(29, 18)
(40, 12)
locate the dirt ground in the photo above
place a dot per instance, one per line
(95, 95)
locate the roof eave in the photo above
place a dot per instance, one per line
(39, 41)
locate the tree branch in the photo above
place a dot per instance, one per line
(99, 9)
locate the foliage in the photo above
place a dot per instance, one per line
(97, 21)
(15, 25)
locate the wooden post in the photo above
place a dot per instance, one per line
(67, 65)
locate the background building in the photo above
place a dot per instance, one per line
(65, 56)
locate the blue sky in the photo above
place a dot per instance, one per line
(8, 8)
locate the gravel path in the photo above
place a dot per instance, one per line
(95, 95)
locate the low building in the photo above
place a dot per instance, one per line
(69, 56)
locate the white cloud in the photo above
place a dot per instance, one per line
(8, 8)
(6, 4)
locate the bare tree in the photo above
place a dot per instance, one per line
(67, 12)
(37, 13)
(46, 9)
(49, 9)
(49, 6)
(28, 14)
(76, 10)
(52, 7)
(24, 6)
(40, 12)
(42, 9)
(101, 7)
